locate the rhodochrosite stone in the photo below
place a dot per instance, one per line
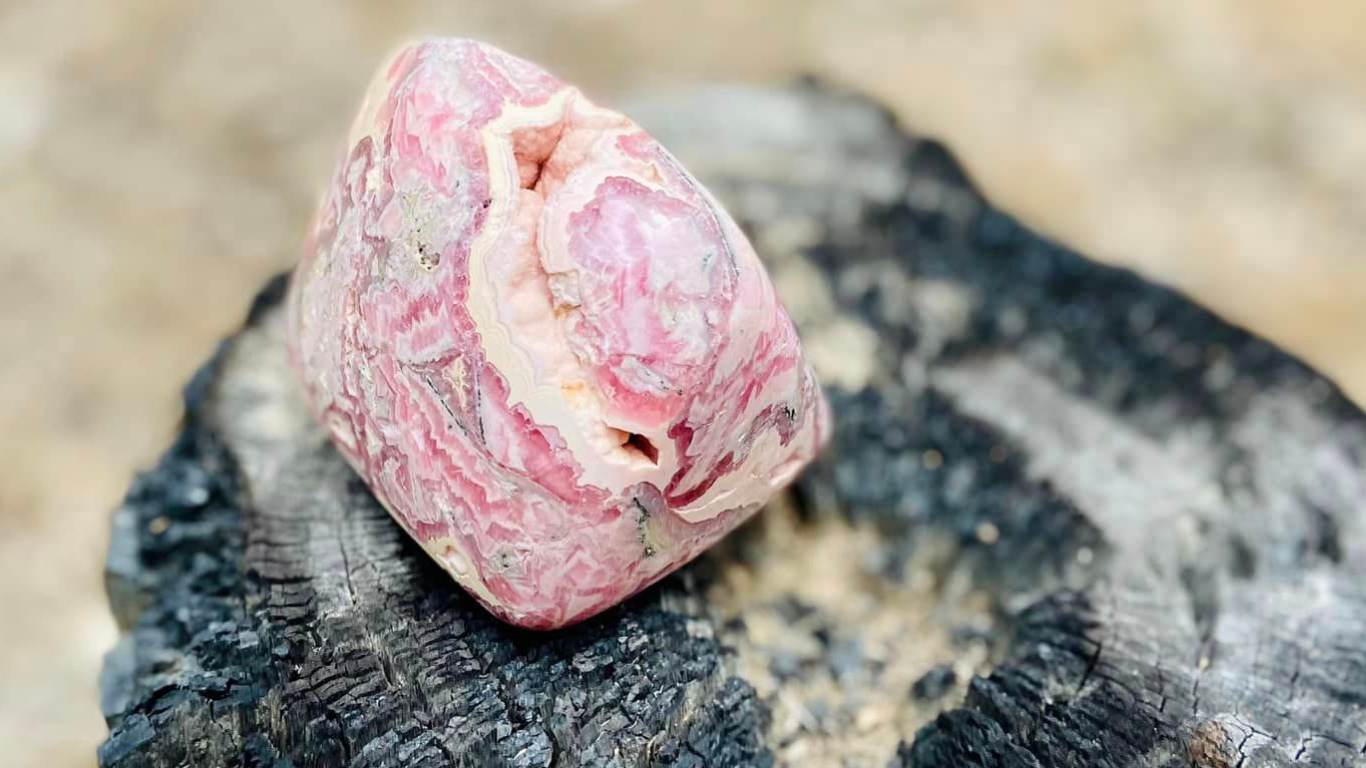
(549, 352)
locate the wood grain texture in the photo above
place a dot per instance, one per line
(1092, 523)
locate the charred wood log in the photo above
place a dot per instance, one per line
(1068, 518)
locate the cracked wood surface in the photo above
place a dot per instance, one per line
(1067, 519)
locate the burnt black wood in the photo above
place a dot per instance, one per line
(1161, 518)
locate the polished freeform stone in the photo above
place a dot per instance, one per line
(549, 352)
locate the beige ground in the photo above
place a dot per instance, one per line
(158, 157)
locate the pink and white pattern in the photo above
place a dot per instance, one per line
(550, 353)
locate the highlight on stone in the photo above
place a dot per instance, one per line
(546, 348)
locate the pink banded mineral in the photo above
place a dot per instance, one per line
(552, 356)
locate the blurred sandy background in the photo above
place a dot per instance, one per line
(159, 158)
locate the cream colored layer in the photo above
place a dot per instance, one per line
(510, 303)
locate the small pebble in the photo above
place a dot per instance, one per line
(932, 459)
(988, 533)
(934, 683)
